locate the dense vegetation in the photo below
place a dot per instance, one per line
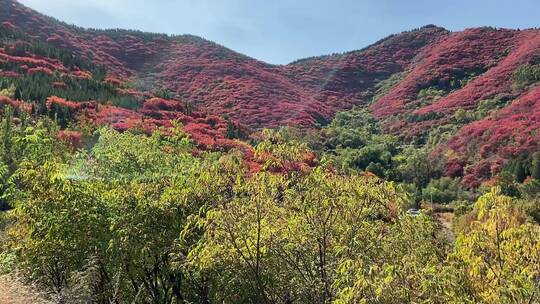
(467, 98)
(138, 218)
(134, 168)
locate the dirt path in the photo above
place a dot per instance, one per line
(14, 292)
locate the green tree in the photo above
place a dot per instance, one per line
(498, 251)
(535, 166)
(443, 191)
(60, 224)
(279, 241)
(145, 196)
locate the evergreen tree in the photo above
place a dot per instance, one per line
(520, 171)
(535, 166)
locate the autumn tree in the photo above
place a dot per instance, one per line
(499, 252)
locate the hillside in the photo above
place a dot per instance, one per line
(215, 78)
(461, 93)
(147, 168)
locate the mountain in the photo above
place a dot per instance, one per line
(472, 96)
(217, 79)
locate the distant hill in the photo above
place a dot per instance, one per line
(473, 93)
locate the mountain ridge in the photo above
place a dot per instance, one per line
(413, 82)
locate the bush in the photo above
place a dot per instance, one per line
(442, 191)
(525, 75)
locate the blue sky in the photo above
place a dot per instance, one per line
(280, 31)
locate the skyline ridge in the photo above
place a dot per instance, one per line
(280, 33)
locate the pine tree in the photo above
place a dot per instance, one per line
(535, 168)
(520, 172)
(232, 133)
(18, 95)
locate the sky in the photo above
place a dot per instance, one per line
(281, 31)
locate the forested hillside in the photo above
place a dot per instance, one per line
(138, 218)
(146, 168)
(429, 87)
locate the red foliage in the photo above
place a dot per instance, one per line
(17, 104)
(132, 92)
(8, 24)
(467, 51)
(73, 138)
(339, 79)
(59, 85)
(7, 101)
(118, 118)
(10, 74)
(43, 70)
(54, 100)
(33, 61)
(223, 82)
(82, 74)
(302, 93)
(54, 39)
(504, 135)
(160, 104)
(496, 81)
(212, 82)
(207, 132)
(113, 80)
(453, 168)
(219, 81)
